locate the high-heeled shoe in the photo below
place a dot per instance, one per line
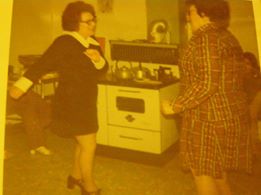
(72, 182)
(97, 192)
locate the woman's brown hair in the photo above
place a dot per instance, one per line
(218, 11)
(72, 14)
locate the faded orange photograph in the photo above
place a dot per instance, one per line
(141, 97)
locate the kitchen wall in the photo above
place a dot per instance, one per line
(37, 22)
(242, 20)
(31, 28)
(257, 14)
(242, 24)
(167, 10)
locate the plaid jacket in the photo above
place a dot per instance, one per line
(211, 76)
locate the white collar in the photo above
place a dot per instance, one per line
(83, 41)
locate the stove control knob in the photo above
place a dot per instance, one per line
(130, 118)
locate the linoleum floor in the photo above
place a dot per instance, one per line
(118, 172)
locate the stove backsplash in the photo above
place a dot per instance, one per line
(144, 52)
(150, 55)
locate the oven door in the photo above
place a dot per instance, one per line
(134, 107)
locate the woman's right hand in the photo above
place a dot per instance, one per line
(93, 54)
(166, 107)
(15, 92)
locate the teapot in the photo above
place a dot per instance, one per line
(123, 73)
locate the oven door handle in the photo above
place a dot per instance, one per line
(128, 91)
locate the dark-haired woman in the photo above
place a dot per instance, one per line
(215, 135)
(77, 57)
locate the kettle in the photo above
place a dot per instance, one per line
(123, 73)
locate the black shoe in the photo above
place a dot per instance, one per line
(97, 192)
(72, 182)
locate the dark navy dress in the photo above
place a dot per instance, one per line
(74, 103)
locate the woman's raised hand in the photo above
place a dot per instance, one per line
(93, 54)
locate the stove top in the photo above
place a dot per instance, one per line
(145, 83)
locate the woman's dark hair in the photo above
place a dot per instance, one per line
(253, 60)
(218, 11)
(72, 14)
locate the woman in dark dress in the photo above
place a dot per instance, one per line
(77, 57)
(215, 135)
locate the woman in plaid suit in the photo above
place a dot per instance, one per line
(215, 135)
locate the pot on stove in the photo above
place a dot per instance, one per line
(164, 74)
(140, 72)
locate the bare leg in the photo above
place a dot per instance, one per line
(206, 185)
(76, 171)
(223, 186)
(87, 145)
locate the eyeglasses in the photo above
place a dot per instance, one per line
(191, 10)
(89, 22)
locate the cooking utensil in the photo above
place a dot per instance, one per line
(164, 74)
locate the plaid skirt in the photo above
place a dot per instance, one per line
(214, 147)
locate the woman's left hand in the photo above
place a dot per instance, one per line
(166, 107)
(93, 54)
